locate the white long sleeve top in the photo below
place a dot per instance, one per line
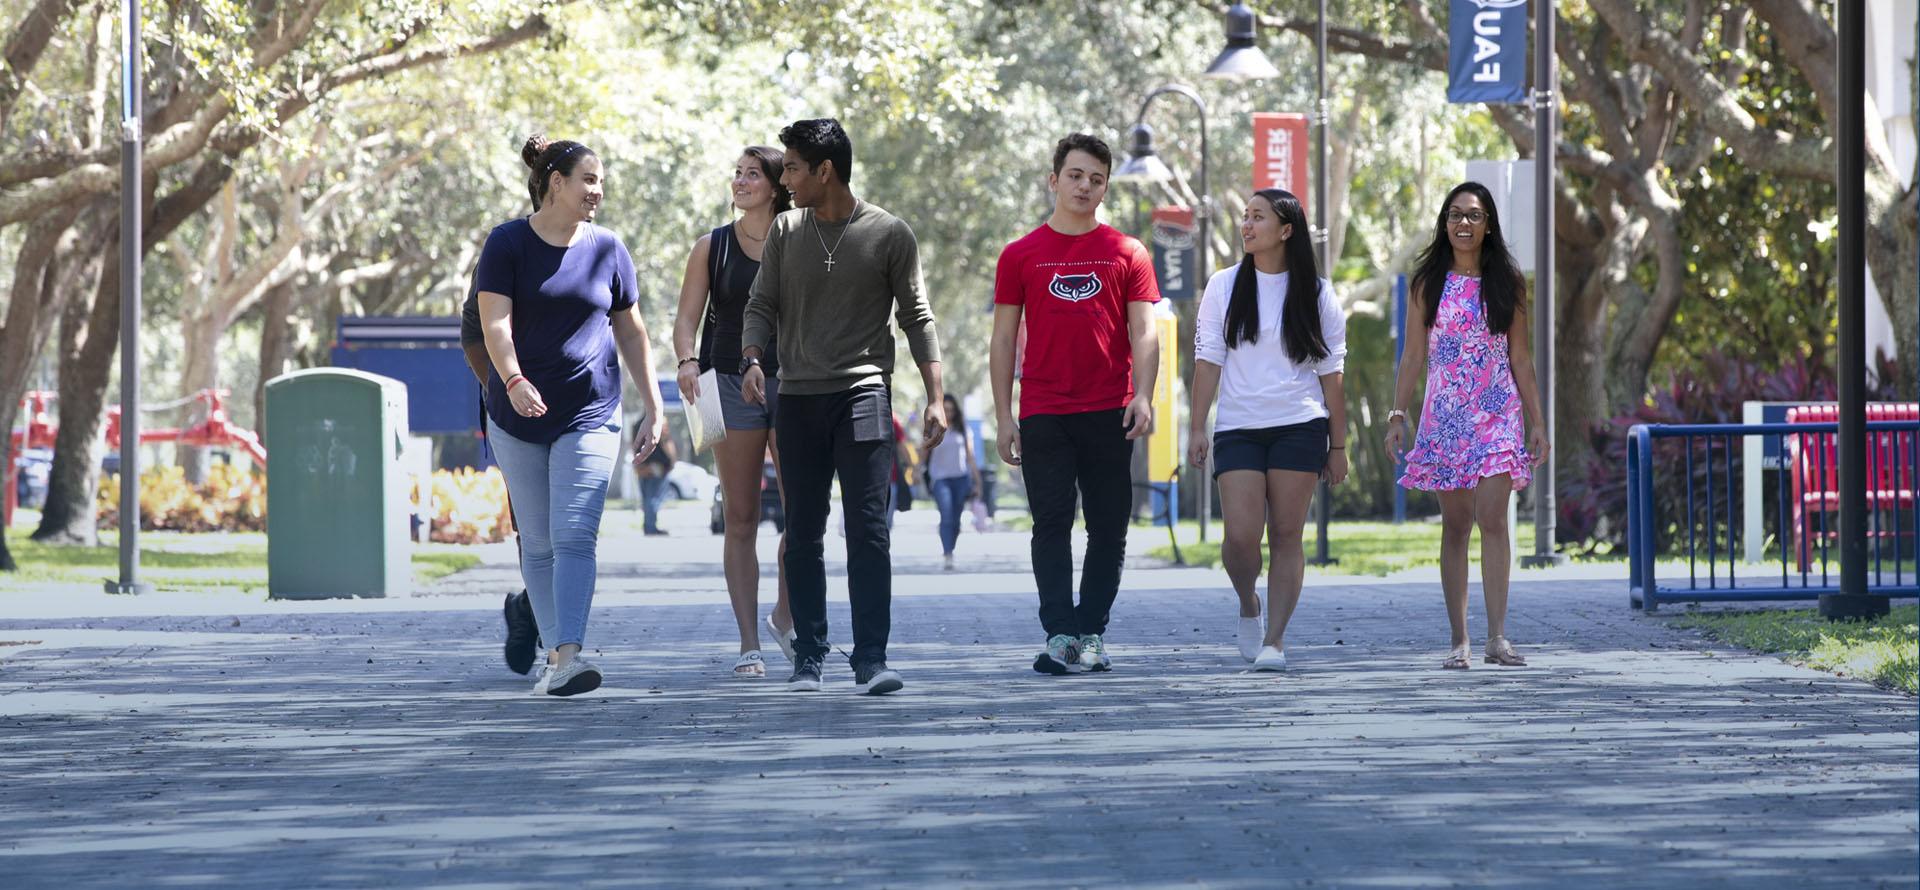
(1260, 386)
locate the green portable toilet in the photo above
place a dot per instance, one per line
(337, 508)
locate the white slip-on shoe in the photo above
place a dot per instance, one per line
(1270, 659)
(783, 640)
(576, 676)
(1252, 631)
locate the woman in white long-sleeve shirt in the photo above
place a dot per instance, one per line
(1271, 342)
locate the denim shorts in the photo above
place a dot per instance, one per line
(740, 414)
(1300, 447)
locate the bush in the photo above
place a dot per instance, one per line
(1593, 510)
(468, 507)
(231, 499)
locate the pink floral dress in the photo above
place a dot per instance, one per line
(1470, 425)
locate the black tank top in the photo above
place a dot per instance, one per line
(730, 274)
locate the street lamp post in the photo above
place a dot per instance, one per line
(1242, 60)
(131, 192)
(1144, 165)
(1544, 135)
(1323, 493)
(1852, 601)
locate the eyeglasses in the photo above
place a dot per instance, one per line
(1455, 217)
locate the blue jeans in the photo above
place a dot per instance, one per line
(653, 493)
(558, 492)
(950, 495)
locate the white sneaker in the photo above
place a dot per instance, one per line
(1270, 659)
(573, 678)
(947, 565)
(1251, 633)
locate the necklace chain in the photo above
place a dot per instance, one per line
(740, 231)
(814, 217)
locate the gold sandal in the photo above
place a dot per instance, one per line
(1459, 659)
(1501, 652)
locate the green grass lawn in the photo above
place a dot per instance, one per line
(176, 561)
(1885, 651)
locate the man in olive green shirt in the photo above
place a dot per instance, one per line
(832, 269)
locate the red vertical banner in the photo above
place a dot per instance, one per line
(1280, 150)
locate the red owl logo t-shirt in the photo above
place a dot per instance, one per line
(1073, 290)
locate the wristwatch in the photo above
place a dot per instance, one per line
(751, 361)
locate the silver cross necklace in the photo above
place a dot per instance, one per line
(815, 218)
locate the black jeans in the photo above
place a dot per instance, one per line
(850, 434)
(1061, 454)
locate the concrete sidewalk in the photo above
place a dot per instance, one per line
(368, 744)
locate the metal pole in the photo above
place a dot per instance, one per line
(1205, 213)
(1399, 350)
(1545, 123)
(1851, 450)
(130, 254)
(1323, 493)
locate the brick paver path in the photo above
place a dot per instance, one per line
(195, 741)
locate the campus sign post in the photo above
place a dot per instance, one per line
(1486, 62)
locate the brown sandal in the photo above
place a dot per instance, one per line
(1458, 660)
(1501, 652)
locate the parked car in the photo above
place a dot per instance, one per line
(35, 467)
(770, 505)
(688, 481)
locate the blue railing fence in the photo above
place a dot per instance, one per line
(1686, 503)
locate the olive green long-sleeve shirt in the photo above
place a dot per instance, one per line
(832, 324)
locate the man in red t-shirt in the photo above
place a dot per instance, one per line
(1086, 292)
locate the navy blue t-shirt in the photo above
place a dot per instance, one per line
(562, 333)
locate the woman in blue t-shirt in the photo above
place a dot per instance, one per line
(557, 303)
(713, 301)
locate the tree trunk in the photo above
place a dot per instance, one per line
(200, 338)
(70, 516)
(19, 343)
(1893, 240)
(276, 312)
(1579, 357)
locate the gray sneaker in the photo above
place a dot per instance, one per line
(573, 678)
(1093, 654)
(876, 679)
(1062, 656)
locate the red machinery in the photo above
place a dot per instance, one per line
(215, 431)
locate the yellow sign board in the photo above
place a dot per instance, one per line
(1163, 445)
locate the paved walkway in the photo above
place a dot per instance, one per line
(192, 741)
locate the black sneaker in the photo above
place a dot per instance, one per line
(523, 634)
(806, 675)
(875, 678)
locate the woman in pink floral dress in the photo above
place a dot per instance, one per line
(1472, 451)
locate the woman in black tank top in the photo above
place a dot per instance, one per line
(713, 301)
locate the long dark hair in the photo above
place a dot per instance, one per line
(1500, 284)
(957, 418)
(546, 158)
(1300, 313)
(772, 164)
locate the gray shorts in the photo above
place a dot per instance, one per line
(737, 412)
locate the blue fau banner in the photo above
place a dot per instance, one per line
(1487, 51)
(1176, 254)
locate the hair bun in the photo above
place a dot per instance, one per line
(535, 147)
